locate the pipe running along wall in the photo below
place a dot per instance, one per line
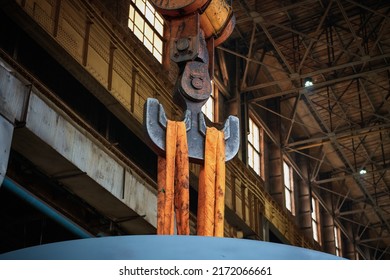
(44, 208)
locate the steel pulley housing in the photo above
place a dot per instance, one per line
(216, 16)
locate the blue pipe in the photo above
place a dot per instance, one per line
(44, 208)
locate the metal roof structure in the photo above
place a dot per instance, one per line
(341, 121)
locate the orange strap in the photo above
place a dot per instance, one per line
(211, 191)
(173, 184)
(173, 191)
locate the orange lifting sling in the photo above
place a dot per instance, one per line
(173, 184)
(195, 28)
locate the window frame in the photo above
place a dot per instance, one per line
(288, 189)
(315, 219)
(153, 42)
(337, 241)
(255, 149)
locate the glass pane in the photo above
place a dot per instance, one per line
(255, 130)
(140, 5)
(208, 109)
(159, 18)
(159, 27)
(256, 140)
(288, 199)
(286, 175)
(131, 13)
(158, 44)
(148, 44)
(250, 156)
(148, 32)
(314, 213)
(157, 55)
(256, 163)
(315, 231)
(336, 237)
(139, 22)
(131, 25)
(150, 6)
(149, 16)
(138, 33)
(250, 135)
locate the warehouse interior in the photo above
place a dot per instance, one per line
(309, 81)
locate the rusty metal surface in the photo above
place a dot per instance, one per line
(195, 84)
(192, 90)
(178, 8)
(184, 38)
(215, 17)
(226, 31)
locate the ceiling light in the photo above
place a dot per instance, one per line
(362, 171)
(308, 82)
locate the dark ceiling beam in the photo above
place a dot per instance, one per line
(353, 221)
(253, 15)
(250, 59)
(327, 189)
(222, 88)
(365, 60)
(340, 136)
(249, 55)
(280, 115)
(366, 94)
(281, 9)
(367, 240)
(341, 116)
(318, 72)
(337, 99)
(266, 128)
(375, 113)
(340, 178)
(293, 115)
(276, 47)
(336, 220)
(316, 39)
(316, 34)
(351, 212)
(340, 204)
(379, 212)
(368, 9)
(383, 24)
(315, 86)
(351, 29)
(318, 165)
(292, 150)
(349, 165)
(384, 252)
(223, 67)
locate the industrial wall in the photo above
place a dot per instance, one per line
(89, 140)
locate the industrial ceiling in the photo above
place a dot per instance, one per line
(340, 122)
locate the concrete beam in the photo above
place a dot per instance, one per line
(71, 155)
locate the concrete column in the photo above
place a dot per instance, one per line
(303, 207)
(275, 163)
(327, 226)
(348, 247)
